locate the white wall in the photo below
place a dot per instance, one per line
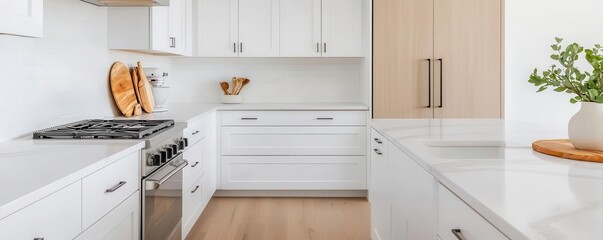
(272, 79)
(531, 26)
(63, 76)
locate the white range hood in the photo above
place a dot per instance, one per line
(128, 3)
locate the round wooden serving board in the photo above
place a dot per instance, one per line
(564, 149)
(123, 89)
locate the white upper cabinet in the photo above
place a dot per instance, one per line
(285, 28)
(258, 28)
(217, 28)
(22, 17)
(300, 28)
(158, 30)
(342, 28)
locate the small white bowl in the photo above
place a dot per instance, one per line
(232, 99)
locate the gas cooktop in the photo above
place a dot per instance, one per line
(105, 129)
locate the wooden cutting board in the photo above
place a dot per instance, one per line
(145, 92)
(122, 88)
(564, 149)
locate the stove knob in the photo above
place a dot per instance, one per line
(163, 156)
(174, 148)
(181, 144)
(170, 152)
(185, 142)
(154, 160)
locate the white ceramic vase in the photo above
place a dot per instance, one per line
(586, 127)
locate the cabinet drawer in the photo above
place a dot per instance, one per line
(57, 216)
(192, 204)
(302, 141)
(378, 144)
(294, 172)
(195, 168)
(104, 189)
(455, 214)
(294, 118)
(121, 223)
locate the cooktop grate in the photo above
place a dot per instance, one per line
(104, 129)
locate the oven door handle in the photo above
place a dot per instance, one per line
(155, 184)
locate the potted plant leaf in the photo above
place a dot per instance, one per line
(586, 126)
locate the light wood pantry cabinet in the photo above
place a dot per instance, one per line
(315, 28)
(238, 28)
(22, 18)
(437, 58)
(156, 30)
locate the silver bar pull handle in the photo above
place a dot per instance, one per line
(457, 233)
(195, 164)
(378, 141)
(378, 152)
(249, 118)
(114, 188)
(324, 118)
(196, 188)
(173, 40)
(155, 184)
(38, 238)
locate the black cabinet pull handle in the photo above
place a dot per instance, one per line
(194, 190)
(325, 47)
(234, 47)
(457, 233)
(195, 164)
(249, 118)
(241, 47)
(378, 152)
(324, 118)
(429, 83)
(377, 140)
(441, 83)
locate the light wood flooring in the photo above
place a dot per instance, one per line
(283, 219)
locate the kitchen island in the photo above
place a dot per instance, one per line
(490, 166)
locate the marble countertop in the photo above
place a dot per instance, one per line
(491, 166)
(32, 169)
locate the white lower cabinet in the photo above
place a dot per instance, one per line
(293, 150)
(193, 204)
(456, 217)
(122, 223)
(57, 216)
(379, 188)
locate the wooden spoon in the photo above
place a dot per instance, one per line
(245, 82)
(225, 86)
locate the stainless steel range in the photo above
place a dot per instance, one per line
(162, 164)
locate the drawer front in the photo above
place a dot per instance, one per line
(299, 141)
(455, 214)
(294, 172)
(293, 118)
(378, 145)
(192, 204)
(196, 130)
(194, 170)
(121, 223)
(57, 216)
(103, 190)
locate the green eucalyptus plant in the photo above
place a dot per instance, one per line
(586, 86)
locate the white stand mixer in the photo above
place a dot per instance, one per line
(161, 92)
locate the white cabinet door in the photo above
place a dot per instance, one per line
(160, 29)
(195, 169)
(57, 216)
(192, 204)
(455, 215)
(300, 33)
(258, 28)
(379, 188)
(413, 198)
(177, 26)
(217, 28)
(23, 18)
(121, 223)
(342, 28)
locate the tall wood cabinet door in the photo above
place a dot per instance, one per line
(300, 22)
(402, 45)
(342, 28)
(468, 40)
(217, 28)
(23, 18)
(259, 28)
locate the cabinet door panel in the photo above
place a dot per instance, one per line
(217, 28)
(160, 29)
(300, 29)
(342, 28)
(177, 26)
(403, 41)
(23, 18)
(468, 40)
(258, 28)
(379, 190)
(121, 223)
